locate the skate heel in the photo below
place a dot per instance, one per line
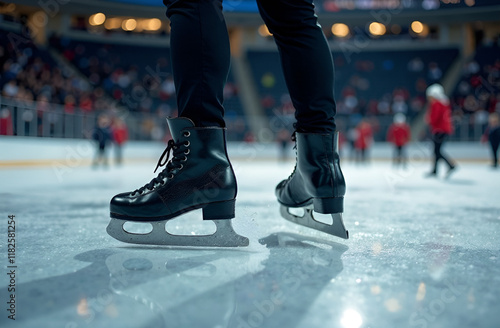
(219, 210)
(329, 205)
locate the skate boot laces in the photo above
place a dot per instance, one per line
(294, 139)
(179, 150)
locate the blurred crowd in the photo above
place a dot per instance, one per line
(28, 75)
(478, 92)
(140, 79)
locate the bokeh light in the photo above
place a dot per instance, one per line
(97, 19)
(340, 30)
(377, 29)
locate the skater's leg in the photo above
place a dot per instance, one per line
(119, 154)
(494, 151)
(306, 60)
(104, 157)
(443, 156)
(395, 156)
(404, 156)
(95, 160)
(308, 69)
(101, 159)
(399, 150)
(438, 141)
(200, 54)
(197, 173)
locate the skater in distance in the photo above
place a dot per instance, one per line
(439, 119)
(199, 174)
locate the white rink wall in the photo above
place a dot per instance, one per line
(38, 151)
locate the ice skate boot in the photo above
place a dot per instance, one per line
(316, 184)
(198, 176)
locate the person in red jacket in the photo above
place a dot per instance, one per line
(363, 141)
(120, 136)
(399, 134)
(6, 127)
(439, 119)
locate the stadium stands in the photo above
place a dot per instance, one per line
(30, 73)
(477, 93)
(368, 83)
(108, 69)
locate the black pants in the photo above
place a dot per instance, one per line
(399, 156)
(439, 139)
(200, 60)
(494, 139)
(494, 150)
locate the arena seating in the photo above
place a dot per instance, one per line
(139, 77)
(368, 83)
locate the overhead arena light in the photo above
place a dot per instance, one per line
(377, 29)
(113, 23)
(264, 31)
(97, 19)
(420, 29)
(153, 24)
(340, 30)
(417, 27)
(129, 24)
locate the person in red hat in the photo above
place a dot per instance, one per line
(439, 120)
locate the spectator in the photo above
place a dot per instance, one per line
(6, 128)
(10, 89)
(69, 104)
(435, 72)
(102, 136)
(86, 104)
(120, 136)
(399, 105)
(364, 140)
(492, 134)
(282, 139)
(416, 65)
(399, 134)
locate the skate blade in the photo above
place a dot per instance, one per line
(337, 227)
(224, 236)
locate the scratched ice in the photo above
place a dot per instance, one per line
(422, 253)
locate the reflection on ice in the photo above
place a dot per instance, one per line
(141, 228)
(351, 319)
(421, 292)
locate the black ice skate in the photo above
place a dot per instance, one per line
(198, 176)
(316, 184)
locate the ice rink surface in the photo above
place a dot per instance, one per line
(422, 253)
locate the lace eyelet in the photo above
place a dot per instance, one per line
(181, 167)
(187, 143)
(184, 159)
(170, 176)
(186, 134)
(187, 151)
